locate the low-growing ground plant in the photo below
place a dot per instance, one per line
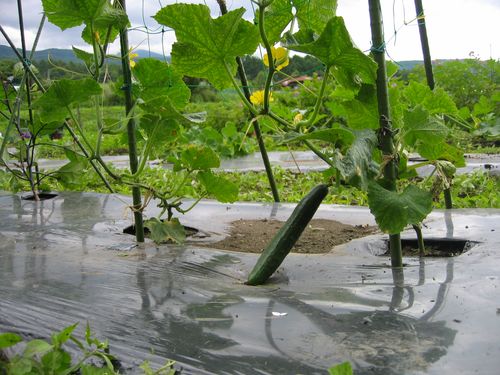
(52, 357)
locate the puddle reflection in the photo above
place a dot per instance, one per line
(236, 328)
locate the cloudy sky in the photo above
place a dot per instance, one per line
(456, 28)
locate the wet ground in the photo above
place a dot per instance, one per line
(66, 260)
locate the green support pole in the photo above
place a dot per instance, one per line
(32, 177)
(386, 143)
(256, 126)
(422, 29)
(131, 126)
(426, 52)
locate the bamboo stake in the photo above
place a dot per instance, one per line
(131, 126)
(386, 144)
(424, 41)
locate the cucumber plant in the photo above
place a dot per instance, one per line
(158, 96)
(208, 47)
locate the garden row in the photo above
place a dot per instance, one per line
(358, 116)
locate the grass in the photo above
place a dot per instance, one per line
(475, 190)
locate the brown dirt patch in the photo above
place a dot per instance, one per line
(320, 236)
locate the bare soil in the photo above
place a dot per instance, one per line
(320, 236)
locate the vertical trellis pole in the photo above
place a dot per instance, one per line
(131, 126)
(386, 143)
(424, 41)
(29, 150)
(256, 125)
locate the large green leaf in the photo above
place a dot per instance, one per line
(441, 151)
(484, 106)
(362, 112)
(196, 157)
(314, 15)
(39, 128)
(357, 166)
(98, 13)
(204, 45)
(435, 101)
(335, 49)
(277, 16)
(163, 231)
(419, 126)
(397, 106)
(222, 189)
(394, 211)
(86, 57)
(69, 174)
(64, 93)
(68, 13)
(159, 130)
(340, 137)
(157, 80)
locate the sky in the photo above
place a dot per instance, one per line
(456, 28)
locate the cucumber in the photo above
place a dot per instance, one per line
(281, 244)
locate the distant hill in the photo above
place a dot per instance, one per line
(409, 64)
(65, 55)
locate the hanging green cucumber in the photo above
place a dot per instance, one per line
(287, 236)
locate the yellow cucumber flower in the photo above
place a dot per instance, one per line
(257, 97)
(280, 58)
(298, 118)
(131, 56)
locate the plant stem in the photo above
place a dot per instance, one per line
(320, 154)
(80, 130)
(270, 57)
(26, 66)
(256, 125)
(420, 239)
(131, 126)
(385, 133)
(10, 124)
(448, 202)
(95, 50)
(424, 41)
(319, 99)
(87, 155)
(280, 120)
(240, 93)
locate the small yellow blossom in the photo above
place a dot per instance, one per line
(257, 97)
(280, 58)
(298, 118)
(97, 37)
(131, 57)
